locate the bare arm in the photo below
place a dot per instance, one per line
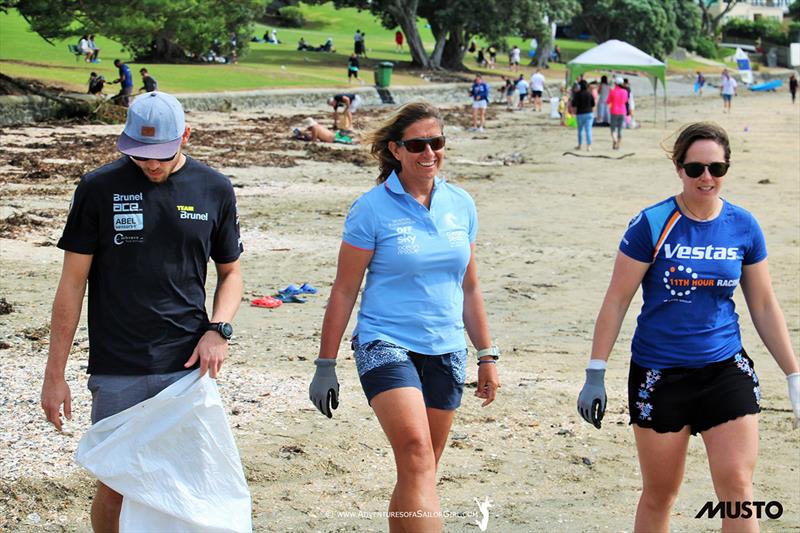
(625, 280)
(353, 263)
(477, 326)
(767, 315)
(212, 349)
(63, 323)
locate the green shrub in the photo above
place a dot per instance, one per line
(765, 29)
(705, 47)
(291, 17)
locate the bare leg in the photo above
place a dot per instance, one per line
(662, 458)
(732, 449)
(403, 418)
(105, 510)
(439, 422)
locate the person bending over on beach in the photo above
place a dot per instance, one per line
(148, 325)
(349, 104)
(689, 372)
(414, 236)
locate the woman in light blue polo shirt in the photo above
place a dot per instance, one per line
(413, 234)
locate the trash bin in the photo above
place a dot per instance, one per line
(383, 73)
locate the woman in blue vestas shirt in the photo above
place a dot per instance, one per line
(413, 234)
(689, 373)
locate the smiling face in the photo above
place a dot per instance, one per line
(425, 165)
(705, 188)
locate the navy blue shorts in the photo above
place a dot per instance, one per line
(385, 366)
(668, 399)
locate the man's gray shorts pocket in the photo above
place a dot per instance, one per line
(113, 394)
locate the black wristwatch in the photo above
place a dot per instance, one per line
(223, 328)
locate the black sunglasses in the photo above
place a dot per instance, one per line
(416, 146)
(164, 160)
(695, 170)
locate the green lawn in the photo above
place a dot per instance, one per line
(24, 54)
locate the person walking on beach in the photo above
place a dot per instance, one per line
(689, 372)
(617, 98)
(480, 101)
(537, 89)
(522, 89)
(727, 89)
(414, 235)
(582, 106)
(352, 69)
(146, 270)
(699, 83)
(603, 116)
(793, 86)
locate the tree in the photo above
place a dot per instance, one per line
(151, 29)
(647, 24)
(711, 22)
(690, 23)
(393, 13)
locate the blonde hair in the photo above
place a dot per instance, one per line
(393, 129)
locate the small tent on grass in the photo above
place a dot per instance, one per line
(619, 55)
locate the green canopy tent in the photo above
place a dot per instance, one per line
(620, 56)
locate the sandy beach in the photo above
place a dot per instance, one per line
(550, 223)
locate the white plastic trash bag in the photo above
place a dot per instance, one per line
(174, 460)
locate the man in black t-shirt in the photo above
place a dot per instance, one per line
(141, 231)
(149, 82)
(350, 103)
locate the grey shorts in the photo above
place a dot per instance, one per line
(617, 122)
(113, 394)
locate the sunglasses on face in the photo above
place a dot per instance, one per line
(695, 170)
(164, 160)
(416, 146)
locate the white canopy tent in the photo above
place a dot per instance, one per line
(620, 56)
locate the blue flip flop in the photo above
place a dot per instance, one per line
(289, 298)
(305, 288)
(291, 290)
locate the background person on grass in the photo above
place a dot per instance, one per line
(132, 262)
(689, 373)
(414, 236)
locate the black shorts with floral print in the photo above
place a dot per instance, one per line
(668, 399)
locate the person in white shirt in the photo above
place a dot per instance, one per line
(537, 88)
(85, 49)
(728, 90)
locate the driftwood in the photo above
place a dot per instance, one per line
(70, 106)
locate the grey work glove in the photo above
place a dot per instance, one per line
(324, 389)
(592, 399)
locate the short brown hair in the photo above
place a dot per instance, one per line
(699, 131)
(393, 129)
